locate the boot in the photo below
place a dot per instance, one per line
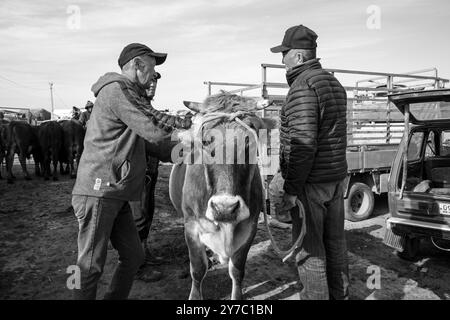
(151, 259)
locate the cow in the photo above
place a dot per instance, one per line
(72, 144)
(3, 128)
(51, 137)
(220, 202)
(21, 138)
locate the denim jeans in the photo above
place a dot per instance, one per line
(101, 220)
(322, 260)
(144, 209)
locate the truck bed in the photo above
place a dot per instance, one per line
(371, 157)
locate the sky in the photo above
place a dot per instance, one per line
(73, 43)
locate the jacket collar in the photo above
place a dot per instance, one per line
(292, 74)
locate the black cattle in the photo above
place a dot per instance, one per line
(3, 128)
(72, 144)
(21, 138)
(51, 137)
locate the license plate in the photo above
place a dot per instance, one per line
(444, 208)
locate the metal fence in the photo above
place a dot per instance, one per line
(371, 118)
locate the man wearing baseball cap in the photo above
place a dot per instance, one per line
(144, 209)
(112, 169)
(313, 163)
(84, 117)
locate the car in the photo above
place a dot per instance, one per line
(419, 182)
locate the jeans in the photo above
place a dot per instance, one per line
(322, 259)
(101, 220)
(144, 209)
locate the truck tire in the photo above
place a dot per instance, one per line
(359, 203)
(411, 248)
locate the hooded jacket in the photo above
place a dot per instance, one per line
(313, 133)
(113, 162)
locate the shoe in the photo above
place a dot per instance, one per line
(148, 275)
(152, 260)
(278, 224)
(284, 217)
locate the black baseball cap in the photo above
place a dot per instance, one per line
(134, 50)
(297, 37)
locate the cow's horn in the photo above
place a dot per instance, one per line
(194, 106)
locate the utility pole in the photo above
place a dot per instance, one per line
(51, 97)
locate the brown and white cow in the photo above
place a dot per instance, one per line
(220, 202)
(21, 138)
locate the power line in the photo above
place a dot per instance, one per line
(60, 99)
(23, 91)
(20, 85)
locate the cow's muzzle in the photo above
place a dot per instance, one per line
(226, 208)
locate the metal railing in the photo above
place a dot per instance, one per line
(368, 105)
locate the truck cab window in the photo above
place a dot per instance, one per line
(445, 143)
(415, 146)
(430, 150)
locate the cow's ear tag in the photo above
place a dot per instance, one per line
(98, 183)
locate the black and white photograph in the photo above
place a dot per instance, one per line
(224, 150)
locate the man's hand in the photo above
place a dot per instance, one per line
(288, 202)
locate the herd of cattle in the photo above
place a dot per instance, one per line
(50, 142)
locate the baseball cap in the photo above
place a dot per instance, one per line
(134, 50)
(297, 37)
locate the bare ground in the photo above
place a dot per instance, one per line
(38, 234)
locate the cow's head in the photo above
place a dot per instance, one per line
(225, 130)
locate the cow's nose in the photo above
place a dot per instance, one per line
(225, 209)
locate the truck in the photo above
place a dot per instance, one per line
(374, 126)
(32, 116)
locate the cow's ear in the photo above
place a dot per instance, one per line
(197, 107)
(271, 123)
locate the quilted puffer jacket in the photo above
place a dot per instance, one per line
(313, 133)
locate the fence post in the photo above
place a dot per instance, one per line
(388, 111)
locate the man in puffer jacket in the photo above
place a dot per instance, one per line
(112, 170)
(313, 163)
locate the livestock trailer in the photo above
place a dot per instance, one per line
(374, 126)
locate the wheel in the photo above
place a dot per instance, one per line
(359, 203)
(411, 248)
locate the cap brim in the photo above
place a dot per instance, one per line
(279, 48)
(159, 57)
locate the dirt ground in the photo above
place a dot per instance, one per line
(38, 234)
